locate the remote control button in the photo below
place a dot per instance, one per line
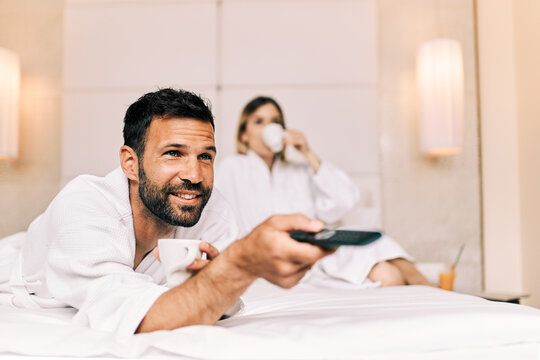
(323, 235)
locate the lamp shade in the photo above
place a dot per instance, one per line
(439, 75)
(9, 104)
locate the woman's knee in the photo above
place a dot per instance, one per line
(387, 274)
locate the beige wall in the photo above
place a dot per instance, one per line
(431, 206)
(502, 222)
(419, 198)
(527, 45)
(33, 29)
(323, 73)
(509, 54)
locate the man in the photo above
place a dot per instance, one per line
(92, 248)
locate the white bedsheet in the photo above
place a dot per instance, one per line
(412, 322)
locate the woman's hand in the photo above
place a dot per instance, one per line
(197, 264)
(298, 140)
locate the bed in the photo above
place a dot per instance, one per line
(405, 322)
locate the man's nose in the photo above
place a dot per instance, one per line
(191, 171)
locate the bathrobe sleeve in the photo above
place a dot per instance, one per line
(89, 265)
(334, 193)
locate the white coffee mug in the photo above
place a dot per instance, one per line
(272, 135)
(175, 256)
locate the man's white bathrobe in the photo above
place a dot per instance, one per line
(256, 193)
(80, 253)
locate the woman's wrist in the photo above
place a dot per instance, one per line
(313, 160)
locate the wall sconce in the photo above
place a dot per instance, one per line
(439, 75)
(9, 104)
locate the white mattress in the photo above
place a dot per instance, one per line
(409, 322)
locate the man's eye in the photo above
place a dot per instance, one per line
(172, 153)
(258, 121)
(205, 157)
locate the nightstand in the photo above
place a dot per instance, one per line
(513, 298)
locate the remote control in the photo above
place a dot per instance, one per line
(333, 238)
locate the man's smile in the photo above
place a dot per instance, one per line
(187, 197)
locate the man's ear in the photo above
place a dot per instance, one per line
(129, 161)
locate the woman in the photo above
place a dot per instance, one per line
(259, 182)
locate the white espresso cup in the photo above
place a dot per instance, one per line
(175, 256)
(272, 135)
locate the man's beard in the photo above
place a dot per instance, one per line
(157, 201)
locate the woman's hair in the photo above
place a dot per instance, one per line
(248, 110)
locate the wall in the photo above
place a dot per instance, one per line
(344, 64)
(502, 217)
(527, 22)
(321, 65)
(33, 29)
(431, 206)
(509, 55)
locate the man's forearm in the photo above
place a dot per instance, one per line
(268, 252)
(201, 300)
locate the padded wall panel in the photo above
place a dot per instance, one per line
(124, 44)
(298, 41)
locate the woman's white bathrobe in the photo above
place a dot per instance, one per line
(80, 253)
(255, 194)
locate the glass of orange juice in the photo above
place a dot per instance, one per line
(446, 279)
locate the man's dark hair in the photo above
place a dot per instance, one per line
(164, 104)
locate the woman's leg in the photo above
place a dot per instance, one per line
(387, 274)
